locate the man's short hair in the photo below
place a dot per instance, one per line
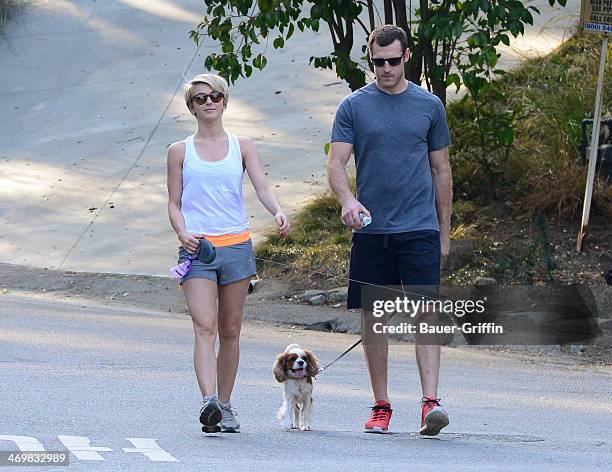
(387, 34)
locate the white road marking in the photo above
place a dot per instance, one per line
(151, 449)
(81, 447)
(24, 443)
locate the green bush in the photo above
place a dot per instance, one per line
(550, 96)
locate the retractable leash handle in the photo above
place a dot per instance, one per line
(206, 254)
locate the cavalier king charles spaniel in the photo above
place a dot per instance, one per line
(295, 369)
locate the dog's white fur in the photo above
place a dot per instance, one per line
(297, 408)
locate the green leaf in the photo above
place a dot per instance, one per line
(246, 52)
(474, 40)
(454, 79)
(208, 62)
(253, 36)
(227, 47)
(266, 5)
(290, 32)
(457, 29)
(505, 136)
(278, 43)
(260, 61)
(271, 20)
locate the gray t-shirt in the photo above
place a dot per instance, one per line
(391, 136)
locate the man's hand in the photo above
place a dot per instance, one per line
(350, 213)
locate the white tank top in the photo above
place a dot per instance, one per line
(212, 191)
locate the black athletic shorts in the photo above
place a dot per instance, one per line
(400, 259)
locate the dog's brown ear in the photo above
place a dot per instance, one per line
(313, 364)
(279, 368)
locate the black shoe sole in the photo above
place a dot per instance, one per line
(211, 429)
(211, 417)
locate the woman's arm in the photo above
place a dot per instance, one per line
(176, 153)
(265, 194)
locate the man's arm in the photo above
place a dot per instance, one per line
(339, 154)
(443, 182)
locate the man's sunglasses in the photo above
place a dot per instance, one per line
(393, 61)
(202, 98)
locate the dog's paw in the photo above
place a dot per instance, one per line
(306, 428)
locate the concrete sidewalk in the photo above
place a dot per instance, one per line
(91, 98)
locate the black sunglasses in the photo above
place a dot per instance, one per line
(201, 98)
(393, 61)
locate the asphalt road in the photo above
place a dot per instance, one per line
(121, 380)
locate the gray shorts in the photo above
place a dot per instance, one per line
(231, 264)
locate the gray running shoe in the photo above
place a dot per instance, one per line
(210, 415)
(229, 422)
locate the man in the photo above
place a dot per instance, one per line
(400, 138)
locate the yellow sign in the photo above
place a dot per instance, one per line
(596, 16)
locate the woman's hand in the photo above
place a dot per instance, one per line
(283, 222)
(189, 242)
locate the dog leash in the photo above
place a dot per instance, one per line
(341, 356)
(330, 276)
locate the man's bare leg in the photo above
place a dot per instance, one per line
(428, 361)
(433, 416)
(376, 350)
(376, 360)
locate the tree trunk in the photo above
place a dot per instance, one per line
(371, 14)
(388, 6)
(439, 89)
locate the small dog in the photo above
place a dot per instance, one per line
(295, 369)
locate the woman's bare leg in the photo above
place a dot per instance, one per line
(231, 306)
(201, 296)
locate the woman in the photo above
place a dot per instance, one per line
(205, 201)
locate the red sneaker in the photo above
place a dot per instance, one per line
(433, 417)
(379, 418)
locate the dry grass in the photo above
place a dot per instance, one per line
(561, 194)
(319, 243)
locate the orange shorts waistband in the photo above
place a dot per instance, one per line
(227, 239)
